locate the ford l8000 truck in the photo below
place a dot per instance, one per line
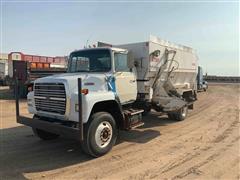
(107, 89)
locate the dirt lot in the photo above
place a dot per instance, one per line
(204, 146)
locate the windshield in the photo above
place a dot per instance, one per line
(90, 61)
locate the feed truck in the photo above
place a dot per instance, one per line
(107, 89)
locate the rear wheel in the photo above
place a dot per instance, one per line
(44, 135)
(171, 115)
(100, 134)
(182, 113)
(179, 115)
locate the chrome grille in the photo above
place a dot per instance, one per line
(50, 97)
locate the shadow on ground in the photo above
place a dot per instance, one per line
(22, 152)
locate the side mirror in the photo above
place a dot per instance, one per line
(130, 59)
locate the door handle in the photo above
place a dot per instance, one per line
(132, 81)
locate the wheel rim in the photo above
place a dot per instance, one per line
(184, 111)
(103, 134)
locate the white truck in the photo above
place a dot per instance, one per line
(107, 89)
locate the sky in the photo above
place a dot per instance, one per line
(57, 28)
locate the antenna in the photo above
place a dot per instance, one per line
(87, 41)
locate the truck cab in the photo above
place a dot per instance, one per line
(108, 85)
(202, 84)
(106, 76)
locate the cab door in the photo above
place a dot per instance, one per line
(125, 79)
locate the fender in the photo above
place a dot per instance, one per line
(88, 101)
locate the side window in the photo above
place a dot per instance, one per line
(120, 61)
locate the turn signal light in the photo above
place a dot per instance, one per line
(84, 91)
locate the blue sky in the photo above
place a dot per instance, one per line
(56, 29)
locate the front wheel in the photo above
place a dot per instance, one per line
(100, 134)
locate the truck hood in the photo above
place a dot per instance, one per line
(90, 81)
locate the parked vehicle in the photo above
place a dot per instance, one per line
(3, 72)
(109, 88)
(27, 72)
(201, 83)
(2, 76)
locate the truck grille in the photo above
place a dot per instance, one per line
(50, 97)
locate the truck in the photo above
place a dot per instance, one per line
(202, 84)
(107, 89)
(27, 72)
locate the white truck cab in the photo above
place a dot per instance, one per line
(108, 84)
(109, 88)
(105, 74)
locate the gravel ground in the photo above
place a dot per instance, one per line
(204, 146)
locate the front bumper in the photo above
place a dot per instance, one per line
(55, 128)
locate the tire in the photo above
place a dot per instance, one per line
(44, 135)
(179, 115)
(171, 116)
(100, 134)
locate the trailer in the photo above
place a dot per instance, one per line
(107, 89)
(27, 73)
